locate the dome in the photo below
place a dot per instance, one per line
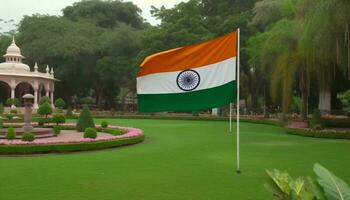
(14, 66)
(13, 50)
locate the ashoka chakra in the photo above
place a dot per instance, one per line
(188, 80)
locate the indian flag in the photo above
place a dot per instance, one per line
(196, 77)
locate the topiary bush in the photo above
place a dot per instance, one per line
(85, 120)
(90, 133)
(56, 130)
(104, 124)
(316, 119)
(58, 118)
(45, 109)
(44, 99)
(60, 103)
(43, 121)
(29, 137)
(11, 133)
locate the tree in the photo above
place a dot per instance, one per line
(60, 103)
(45, 109)
(44, 99)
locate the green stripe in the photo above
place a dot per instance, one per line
(188, 101)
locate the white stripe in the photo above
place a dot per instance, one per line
(213, 75)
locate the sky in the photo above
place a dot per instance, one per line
(16, 9)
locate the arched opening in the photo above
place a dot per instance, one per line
(5, 92)
(22, 89)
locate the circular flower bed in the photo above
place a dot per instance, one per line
(112, 136)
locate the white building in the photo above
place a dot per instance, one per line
(18, 79)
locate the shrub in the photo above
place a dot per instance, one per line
(9, 116)
(104, 124)
(28, 137)
(60, 103)
(45, 109)
(90, 133)
(43, 121)
(14, 101)
(43, 100)
(316, 119)
(11, 133)
(2, 109)
(58, 119)
(69, 111)
(13, 111)
(56, 130)
(85, 120)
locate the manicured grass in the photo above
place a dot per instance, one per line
(178, 160)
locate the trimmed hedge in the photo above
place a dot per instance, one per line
(319, 134)
(339, 123)
(70, 147)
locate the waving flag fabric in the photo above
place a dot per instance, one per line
(190, 78)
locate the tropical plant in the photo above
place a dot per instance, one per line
(326, 187)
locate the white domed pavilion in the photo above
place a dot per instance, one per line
(18, 79)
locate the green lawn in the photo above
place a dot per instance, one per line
(178, 160)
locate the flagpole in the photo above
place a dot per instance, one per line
(238, 170)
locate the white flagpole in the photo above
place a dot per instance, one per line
(238, 170)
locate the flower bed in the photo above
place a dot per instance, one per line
(300, 128)
(131, 136)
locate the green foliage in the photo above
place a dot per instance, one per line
(45, 109)
(316, 119)
(56, 130)
(29, 137)
(43, 100)
(58, 118)
(60, 103)
(2, 109)
(13, 111)
(333, 187)
(86, 100)
(345, 99)
(43, 121)
(334, 134)
(11, 133)
(14, 101)
(69, 111)
(104, 124)
(328, 186)
(90, 133)
(284, 187)
(113, 131)
(85, 120)
(9, 116)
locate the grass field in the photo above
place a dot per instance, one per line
(178, 160)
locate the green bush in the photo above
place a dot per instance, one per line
(58, 118)
(60, 103)
(29, 137)
(13, 111)
(9, 116)
(11, 133)
(10, 102)
(69, 111)
(319, 134)
(85, 120)
(2, 109)
(113, 131)
(45, 109)
(90, 133)
(316, 119)
(43, 121)
(44, 99)
(104, 124)
(56, 130)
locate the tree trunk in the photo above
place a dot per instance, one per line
(324, 101)
(304, 93)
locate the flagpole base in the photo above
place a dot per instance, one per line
(238, 171)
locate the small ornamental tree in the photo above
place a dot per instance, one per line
(10, 102)
(85, 120)
(11, 134)
(45, 109)
(44, 99)
(58, 119)
(60, 103)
